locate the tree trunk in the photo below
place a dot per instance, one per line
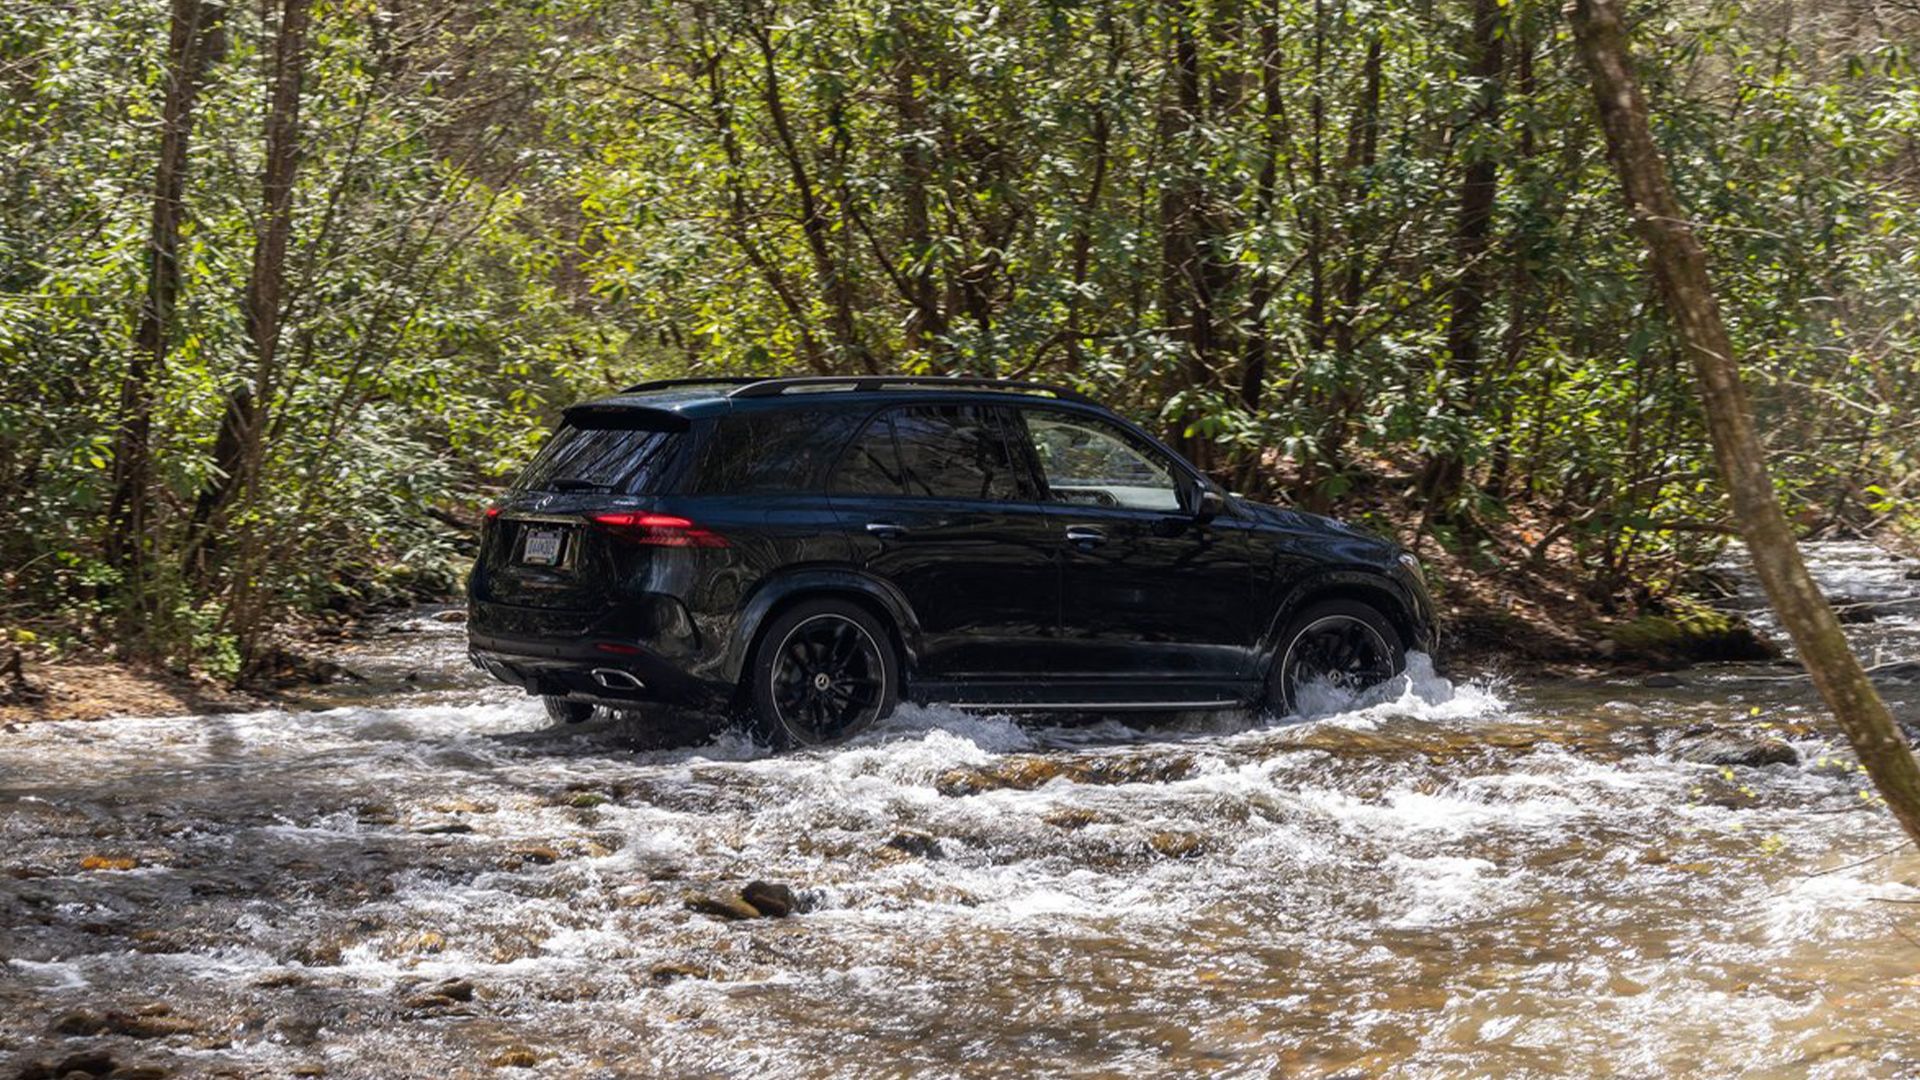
(1467, 301)
(1680, 268)
(193, 44)
(239, 447)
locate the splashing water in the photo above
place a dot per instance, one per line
(1427, 879)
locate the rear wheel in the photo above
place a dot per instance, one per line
(562, 711)
(824, 671)
(1347, 645)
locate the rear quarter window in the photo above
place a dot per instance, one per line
(772, 452)
(627, 461)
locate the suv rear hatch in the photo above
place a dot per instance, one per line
(540, 547)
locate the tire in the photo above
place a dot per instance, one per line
(823, 671)
(562, 711)
(1348, 641)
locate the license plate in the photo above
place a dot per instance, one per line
(542, 547)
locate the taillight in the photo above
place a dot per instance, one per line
(658, 530)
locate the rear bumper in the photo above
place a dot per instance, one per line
(603, 671)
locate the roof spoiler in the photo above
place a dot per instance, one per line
(602, 416)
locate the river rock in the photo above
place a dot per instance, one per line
(514, 1057)
(911, 842)
(1177, 845)
(770, 898)
(730, 907)
(1662, 681)
(1738, 748)
(1026, 772)
(663, 974)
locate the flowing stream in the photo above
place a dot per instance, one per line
(1496, 877)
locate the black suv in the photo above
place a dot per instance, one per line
(810, 551)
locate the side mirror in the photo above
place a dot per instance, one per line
(1211, 505)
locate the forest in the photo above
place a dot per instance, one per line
(287, 289)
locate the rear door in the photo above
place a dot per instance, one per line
(935, 500)
(1149, 595)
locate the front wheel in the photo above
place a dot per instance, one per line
(824, 671)
(1347, 646)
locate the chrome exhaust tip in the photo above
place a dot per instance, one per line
(615, 679)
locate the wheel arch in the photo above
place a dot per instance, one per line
(1374, 589)
(878, 597)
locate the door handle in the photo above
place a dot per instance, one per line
(1085, 536)
(886, 530)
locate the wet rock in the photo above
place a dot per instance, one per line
(138, 1072)
(665, 974)
(730, 907)
(1070, 818)
(1750, 749)
(770, 898)
(539, 854)
(1693, 635)
(514, 1057)
(1177, 845)
(154, 1021)
(919, 844)
(445, 828)
(586, 800)
(443, 997)
(309, 1068)
(109, 862)
(86, 1063)
(454, 615)
(1028, 772)
(1662, 681)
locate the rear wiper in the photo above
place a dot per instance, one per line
(571, 484)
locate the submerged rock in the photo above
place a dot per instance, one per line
(1026, 772)
(514, 1057)
(663, 974)
(1177, 845)
(154, 1021)
(1751, 749)
(910, 842)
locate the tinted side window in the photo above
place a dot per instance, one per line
(624, 460)
(766, 453)
(871, 465)
(955, 452)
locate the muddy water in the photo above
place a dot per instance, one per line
(1477, 879)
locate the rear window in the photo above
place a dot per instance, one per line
(626, 461)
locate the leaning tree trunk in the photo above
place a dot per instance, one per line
(1680, 268)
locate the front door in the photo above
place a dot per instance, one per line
(1150, 595)
(935, 500)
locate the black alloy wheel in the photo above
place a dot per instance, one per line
(824, 671)
(1345, 643)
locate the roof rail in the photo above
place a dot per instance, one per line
(760, 388)
(702, 380)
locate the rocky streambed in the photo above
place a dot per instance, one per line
(1495, 877)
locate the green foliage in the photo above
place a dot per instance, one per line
(1242, 223)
